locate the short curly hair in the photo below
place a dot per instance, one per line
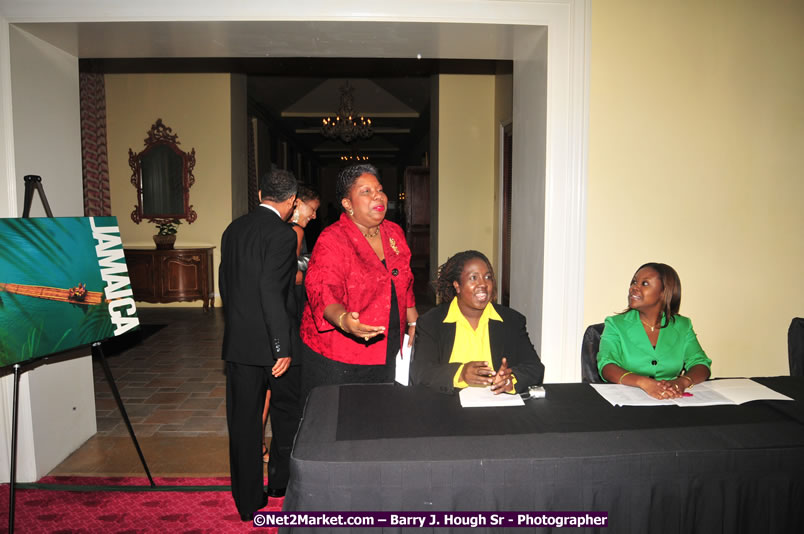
(349, 175)
(451, 272)
(278, 185)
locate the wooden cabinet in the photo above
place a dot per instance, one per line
(177, 275)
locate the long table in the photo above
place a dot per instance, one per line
(653, 469)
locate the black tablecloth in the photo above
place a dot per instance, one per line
(653, 469)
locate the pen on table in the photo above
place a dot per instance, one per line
(687, 394)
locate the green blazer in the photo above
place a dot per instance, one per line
(625, 343)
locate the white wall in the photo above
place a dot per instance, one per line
(8, 195)
(528, 185)
(57, 401)
(47, 123)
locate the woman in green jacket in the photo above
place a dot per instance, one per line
(649, 345)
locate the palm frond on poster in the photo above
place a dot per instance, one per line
(95, 326)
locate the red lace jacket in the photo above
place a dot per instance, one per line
(344, 269)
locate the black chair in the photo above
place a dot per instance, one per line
(589, 349)
(795, 346)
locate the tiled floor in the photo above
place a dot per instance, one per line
(173, 389)
(172, 384)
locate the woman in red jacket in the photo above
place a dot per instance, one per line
(359, 290)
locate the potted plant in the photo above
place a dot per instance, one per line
(166, 233)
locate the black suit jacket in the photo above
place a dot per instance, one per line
(258, 266)
(433, 347)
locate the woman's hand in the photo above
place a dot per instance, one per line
(412, 316)
(659, 389)
(350, 323)
(677, 385)
(477, 374)
(503, 379)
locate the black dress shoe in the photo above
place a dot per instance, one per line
(263, 504)
(276, 493)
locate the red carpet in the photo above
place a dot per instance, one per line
(72, 505)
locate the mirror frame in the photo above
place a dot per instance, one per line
(160, 134)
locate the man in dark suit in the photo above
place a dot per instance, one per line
(258, 265)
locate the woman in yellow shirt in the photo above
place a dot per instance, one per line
(468, 340)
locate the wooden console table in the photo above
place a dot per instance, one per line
(177, 275)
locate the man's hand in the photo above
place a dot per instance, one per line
(280, 367)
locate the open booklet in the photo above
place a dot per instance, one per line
(711, 393)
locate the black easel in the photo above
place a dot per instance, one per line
(33, 182)
(97, 351)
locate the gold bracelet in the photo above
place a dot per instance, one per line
(340, 320)
(692, 382)
(624, 375)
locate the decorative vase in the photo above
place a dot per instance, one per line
(164, 242)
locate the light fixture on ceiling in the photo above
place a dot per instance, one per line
(347, 124)
(354, 157)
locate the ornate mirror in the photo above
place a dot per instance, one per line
(162, 174)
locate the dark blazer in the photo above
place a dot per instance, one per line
(258, 265)
(433, 347)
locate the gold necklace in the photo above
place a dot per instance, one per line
(652, 327)
(369, 234)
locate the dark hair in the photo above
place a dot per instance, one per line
(349, 175)
(671, 285)
(451, 272)
(307, 193)
(278, 185)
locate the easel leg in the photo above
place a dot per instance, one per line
(12, 479)
(97, 350)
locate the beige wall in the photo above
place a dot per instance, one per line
(197, 108)
(466, 157)
(696, 143)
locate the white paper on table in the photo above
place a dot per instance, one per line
(741, 390)
(403, 363)
(621, 395)
(710, 393)
(475, 397)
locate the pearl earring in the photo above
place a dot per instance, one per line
(296, 216)
(351, 212)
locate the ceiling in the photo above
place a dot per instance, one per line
(398, 109)
(295, 68)
(253, 39)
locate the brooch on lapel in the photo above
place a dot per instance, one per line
(392, 244)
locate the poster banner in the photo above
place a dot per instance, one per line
(63, 283)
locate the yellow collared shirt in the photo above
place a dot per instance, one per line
(470, 345)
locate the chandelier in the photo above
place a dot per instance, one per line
(354, 157)
(347, 124)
